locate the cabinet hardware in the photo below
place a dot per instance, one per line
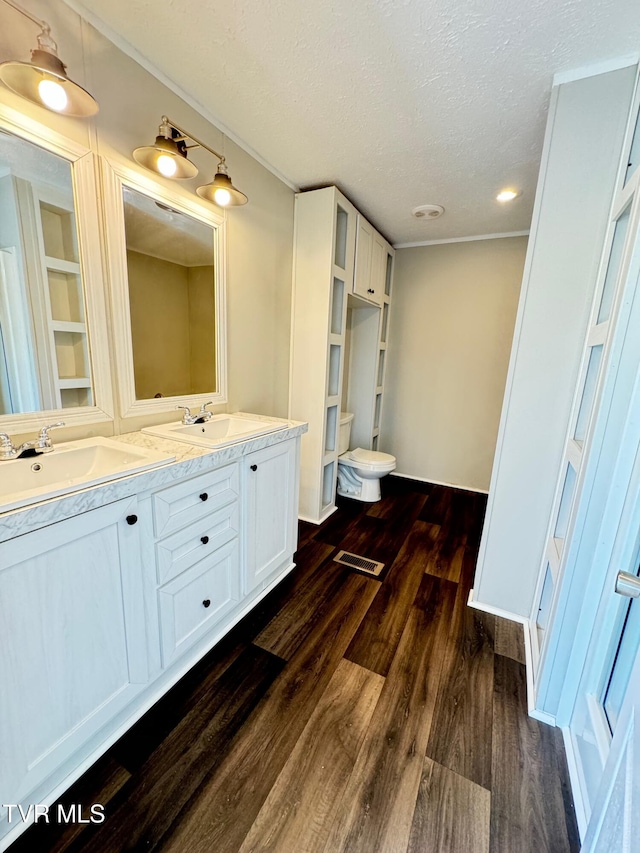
(204, 539)
(206, 602)
(369, 290)
(204, 496)
(132, 519)
(254, 467)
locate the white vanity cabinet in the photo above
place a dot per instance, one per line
(270, 477)
(73, 640)
(103, 612)
(197, 556)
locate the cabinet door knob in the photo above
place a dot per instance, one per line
(206, 602)
(132, 519)
(370, 291)
(254, 467)
(204, 539)
(204, 496)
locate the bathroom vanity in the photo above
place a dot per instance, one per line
(112, 593)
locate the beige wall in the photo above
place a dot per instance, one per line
(452, 321)
(259, 235)
(202, 324)
(159, 303)
(172, 326)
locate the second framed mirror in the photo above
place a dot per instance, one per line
(167, 281)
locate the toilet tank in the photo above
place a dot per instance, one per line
(345, 432)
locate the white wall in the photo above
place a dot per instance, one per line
(259, 235)
(587, 121)
(452, 318)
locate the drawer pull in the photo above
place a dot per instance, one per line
(204, 496)
(254, 467)
(131, 519)
(204, 539)
(206, 602)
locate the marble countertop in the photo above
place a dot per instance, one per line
(189, 461)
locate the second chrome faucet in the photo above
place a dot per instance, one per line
(199, 418)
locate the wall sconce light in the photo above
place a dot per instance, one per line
(44, 80)
(168, 157)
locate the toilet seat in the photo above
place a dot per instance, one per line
(368, 460)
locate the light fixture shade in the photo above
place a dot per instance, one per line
(221, 191)
(149, 155)
(44, 81)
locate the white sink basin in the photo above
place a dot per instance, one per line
(218, 431)
(71, 466)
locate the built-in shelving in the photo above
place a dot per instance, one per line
(342, 268)
(323, 275)
(60, 319)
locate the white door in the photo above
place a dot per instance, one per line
(587, 634)
(615, 820)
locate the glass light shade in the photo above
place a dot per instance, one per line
(44, 81)
(155, 157)
(222, 192)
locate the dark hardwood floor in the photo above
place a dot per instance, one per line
(345, 714)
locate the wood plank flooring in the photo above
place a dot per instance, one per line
(345, 714)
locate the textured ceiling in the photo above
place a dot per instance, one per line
(398, 102)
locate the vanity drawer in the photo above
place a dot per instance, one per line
(191, 604)
(178, 552)
(184, 503)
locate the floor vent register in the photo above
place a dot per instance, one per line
(362, 564)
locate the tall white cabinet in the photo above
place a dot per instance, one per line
(340, 262)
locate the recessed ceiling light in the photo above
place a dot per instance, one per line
(507, 195)
(428, 211)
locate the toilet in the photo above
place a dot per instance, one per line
(359, 471)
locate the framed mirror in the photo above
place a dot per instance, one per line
(51, 301)
(168, 296)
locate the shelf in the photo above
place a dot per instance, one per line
(333, 378)
(333, 400)
(68, 326)
(384, 323)
(71, 356)
(75, 382)
(331, 429)
(59, 265)
(75, 398)
(328, 484)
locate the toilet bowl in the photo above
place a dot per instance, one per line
(359, 470)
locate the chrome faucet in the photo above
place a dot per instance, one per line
(42, 444)
(203, 415)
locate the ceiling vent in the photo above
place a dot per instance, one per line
(428, 211)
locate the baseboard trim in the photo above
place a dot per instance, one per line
(440, 483)
(533, 712)
(322, 518)
(575, 781)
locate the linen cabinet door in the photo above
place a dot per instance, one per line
(270, 486)
(72, 648)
